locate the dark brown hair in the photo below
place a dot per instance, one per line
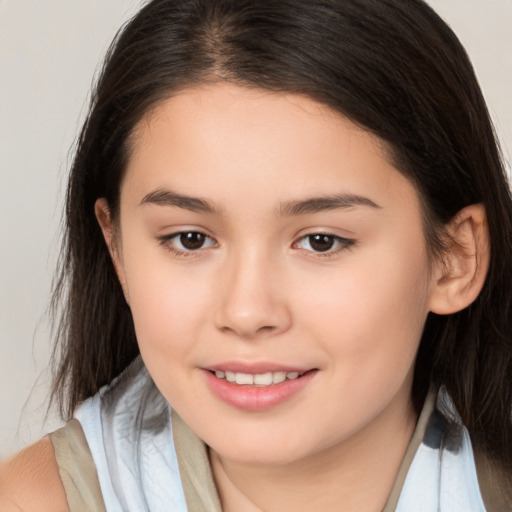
(391, 66)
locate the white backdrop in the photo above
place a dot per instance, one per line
(49, 50)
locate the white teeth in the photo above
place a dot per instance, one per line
(260, 379)
(278, 377)
(263, 379)
(244, 378)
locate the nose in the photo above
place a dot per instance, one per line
(252, 300)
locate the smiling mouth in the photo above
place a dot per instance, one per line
(258, 388)
(259, 379)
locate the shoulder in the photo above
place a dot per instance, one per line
(30, 481)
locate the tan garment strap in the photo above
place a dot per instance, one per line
(417, 438)
(495, 485)
(195, 470)
(197, 478)
(77, 469)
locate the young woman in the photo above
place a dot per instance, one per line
(287, 275)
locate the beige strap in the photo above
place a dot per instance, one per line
(77, 469)
(495, 485)
(417, 438)
(195, 469)
(197, 478)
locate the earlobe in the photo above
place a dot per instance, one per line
(103, 215)
(460, 276)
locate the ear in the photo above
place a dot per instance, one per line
(103, 215)
(460, 276)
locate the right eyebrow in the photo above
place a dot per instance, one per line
(166, 197)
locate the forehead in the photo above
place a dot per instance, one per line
(211, 112)
(221, 139)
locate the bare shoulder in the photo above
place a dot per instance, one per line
(30, 481)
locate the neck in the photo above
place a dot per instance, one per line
(355, 475)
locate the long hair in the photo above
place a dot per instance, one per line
(392, 67)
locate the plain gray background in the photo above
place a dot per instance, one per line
(49, 51)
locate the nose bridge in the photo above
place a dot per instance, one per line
(251, 303)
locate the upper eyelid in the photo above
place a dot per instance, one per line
(170, 236)
(174, 234)
(339, 238)
(324, 232)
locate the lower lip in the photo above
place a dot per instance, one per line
(252, 398)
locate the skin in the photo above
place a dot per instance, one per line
(30, 481)
(257, 291)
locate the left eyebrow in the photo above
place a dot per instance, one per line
(320, 204)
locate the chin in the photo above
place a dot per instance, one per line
(257, 456)
(265, 448)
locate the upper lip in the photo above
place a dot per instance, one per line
(255, 368)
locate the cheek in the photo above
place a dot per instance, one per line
(169, 305)
(370, 314)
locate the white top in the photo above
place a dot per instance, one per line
(129, 431)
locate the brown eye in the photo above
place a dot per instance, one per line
(321, 243)
(192, 240)
(324, 243)
(187, 242)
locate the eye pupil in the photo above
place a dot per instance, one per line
(192, 240)
(321, 243)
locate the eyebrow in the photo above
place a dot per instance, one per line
(166, 197)
(320, 204)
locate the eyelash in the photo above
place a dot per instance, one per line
(166, 241)
(342, 244)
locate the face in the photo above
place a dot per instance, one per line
(266, 240)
